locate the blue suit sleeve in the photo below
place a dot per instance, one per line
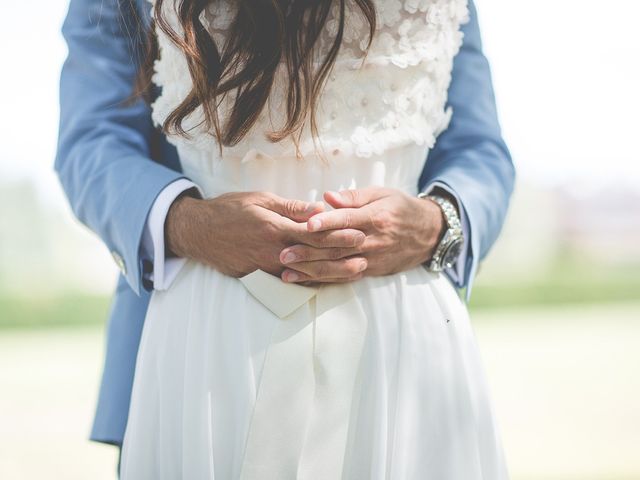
(470, 156)
(103, 157)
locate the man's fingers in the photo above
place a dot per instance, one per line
(344, 238)
(357, 218)
(324, 269)
(356, 197)
(305, 253)
(294, 209)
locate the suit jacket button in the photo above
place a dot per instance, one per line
(119, 262)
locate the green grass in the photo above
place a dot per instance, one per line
(68, 310)
(554, 292)
(568, 283)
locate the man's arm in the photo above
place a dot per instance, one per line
(470, 157)
(469, 161)
(106, 169)
(165, 265)
(103, 158)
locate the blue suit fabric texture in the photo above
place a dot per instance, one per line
(112, 163)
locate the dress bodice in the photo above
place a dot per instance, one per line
(382, 111)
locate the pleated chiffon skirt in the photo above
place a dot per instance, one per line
(254, 378)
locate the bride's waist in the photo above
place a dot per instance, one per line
(199, 282)
(205, 277)
(305, 178)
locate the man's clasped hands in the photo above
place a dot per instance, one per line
(369, 231)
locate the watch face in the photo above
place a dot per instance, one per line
(452, 253)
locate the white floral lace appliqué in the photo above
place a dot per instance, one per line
(395, 95)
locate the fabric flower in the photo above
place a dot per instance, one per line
(413, 6)
(388, 12)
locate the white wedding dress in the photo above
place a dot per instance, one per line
(253, 378)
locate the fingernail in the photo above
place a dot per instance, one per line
(310, 208)
(362, 266)
(337, 195)
(314, 224)
(289, 257)
(292, 276)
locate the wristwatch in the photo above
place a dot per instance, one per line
(450, 246)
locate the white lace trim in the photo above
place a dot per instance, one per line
(394, 96)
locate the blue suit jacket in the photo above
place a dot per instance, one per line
(112, 164)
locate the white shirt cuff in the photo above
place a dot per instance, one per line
(165, 270)
(456, 272)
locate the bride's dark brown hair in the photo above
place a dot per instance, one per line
(262, 34)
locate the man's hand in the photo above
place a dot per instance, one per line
(237, 233)
(401, 232)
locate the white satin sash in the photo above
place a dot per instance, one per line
(300, 422)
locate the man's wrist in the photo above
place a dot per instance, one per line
(451, 241)
(433, 226)
(178, 223)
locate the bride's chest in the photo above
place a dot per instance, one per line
(394, 95)
(406, 32)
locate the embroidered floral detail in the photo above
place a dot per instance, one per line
(413, 6)
(394, 96)
(388, 12)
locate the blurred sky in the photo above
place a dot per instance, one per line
(566, 76)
